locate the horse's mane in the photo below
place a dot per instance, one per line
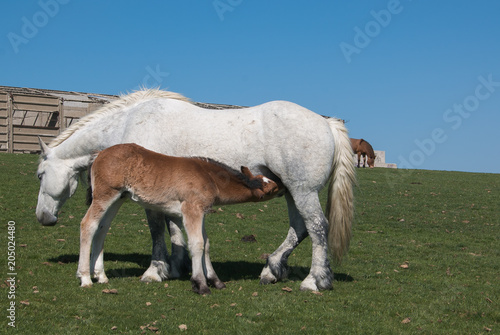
(123, 101)
(368, 148)
(250, 183)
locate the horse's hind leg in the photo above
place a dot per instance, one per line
(97, 255)
(158, 269)
(276, 266)
(321, 275)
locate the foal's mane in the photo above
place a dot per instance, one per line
(250, 183)
(123, 101)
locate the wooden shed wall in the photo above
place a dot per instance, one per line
(24, 117)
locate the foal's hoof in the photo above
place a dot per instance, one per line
(85, 282)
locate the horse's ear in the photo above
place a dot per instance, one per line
(246, 172)
(43, 146)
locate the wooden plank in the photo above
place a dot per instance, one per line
(60, 117)
(30, 140)
(35, 130)
(36, 100)
(27, 147)
(75, 112)
(35, 108)
(10, 135)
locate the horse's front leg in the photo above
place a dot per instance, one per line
(276, 266)
(159, 268)
(180, 263)
(359, 159)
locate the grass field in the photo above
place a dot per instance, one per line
(424, 259)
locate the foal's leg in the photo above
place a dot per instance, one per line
(97, 255)
(212, 277)
(276, 266)
(88, 227)
(158, 269)
(193, 223)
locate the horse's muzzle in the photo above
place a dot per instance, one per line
(46, 219)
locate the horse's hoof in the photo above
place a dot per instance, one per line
(217, 283)
(267, 277)
(220, 285)
(202, 290)
(157, 272)
(309, 284)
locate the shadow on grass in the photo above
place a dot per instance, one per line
(227, 271)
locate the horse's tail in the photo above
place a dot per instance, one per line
(340, 202)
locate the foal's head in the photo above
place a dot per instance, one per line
(263, 188)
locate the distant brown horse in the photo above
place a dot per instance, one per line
(363, 148)
(183, 188)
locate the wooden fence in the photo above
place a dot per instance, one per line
(25, 116)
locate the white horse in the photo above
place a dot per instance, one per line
(279, 139)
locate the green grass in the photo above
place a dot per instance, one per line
(443, 225)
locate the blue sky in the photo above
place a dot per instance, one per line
(419, 79)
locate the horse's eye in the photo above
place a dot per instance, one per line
(40, 176)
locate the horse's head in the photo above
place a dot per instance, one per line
(371, 161)
(58, 181)
(268, 190)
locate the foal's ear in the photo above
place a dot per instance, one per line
(246, 172)
(259, 193)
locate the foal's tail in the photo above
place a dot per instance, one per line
(340, 203)
(89, 180)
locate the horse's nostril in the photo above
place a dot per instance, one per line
(47, 219)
